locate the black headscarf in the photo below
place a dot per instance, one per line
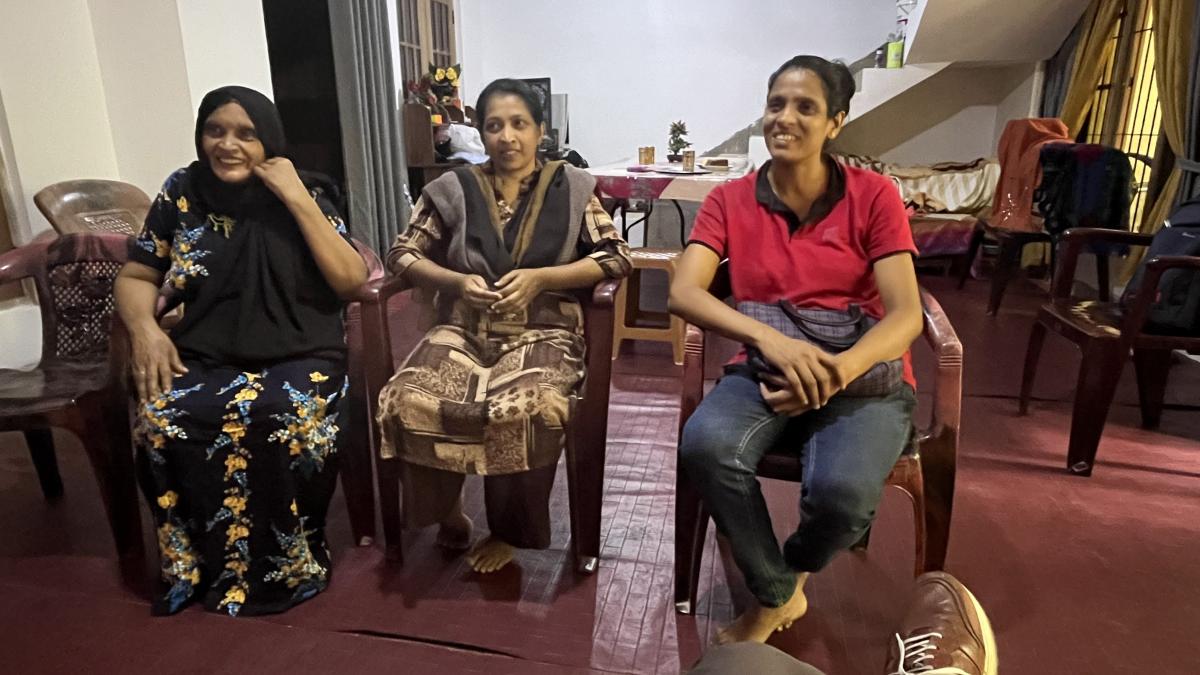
(265, 299)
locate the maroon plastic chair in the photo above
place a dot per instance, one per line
(72, 385)
(925, 471)
(1106, 333)
(587, 430)
(93, 205)
(358, 482)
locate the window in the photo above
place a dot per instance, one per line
(1125, 108)
(426, 36)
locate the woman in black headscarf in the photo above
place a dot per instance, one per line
(237, 421)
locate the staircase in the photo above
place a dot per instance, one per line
(948, 42)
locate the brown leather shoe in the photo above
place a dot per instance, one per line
(945, 632)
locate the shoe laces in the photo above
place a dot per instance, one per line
(916, 652)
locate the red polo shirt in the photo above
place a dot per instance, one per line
(824, 263)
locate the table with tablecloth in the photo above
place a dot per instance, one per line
(616, 181)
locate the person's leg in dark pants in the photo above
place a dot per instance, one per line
(722, 444)
(848, 448)
(518, 513)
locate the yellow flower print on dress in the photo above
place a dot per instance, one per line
(178, 562)
(235, 504)
(185, 256)
(236, 430)
(223, 223)
(182, 204)
(234, 463)
(235, 532)
(155, 423)
(235, 595)
(310, 431)
(168, 499)
(297, 568)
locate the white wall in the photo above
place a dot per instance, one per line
(990, 30)
(631, 67)
(109, 89)
(1023, 101)
(146, 88)
(963, 137)
(53, 97)
(224, 42)
(955, 115)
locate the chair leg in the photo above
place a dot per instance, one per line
(938, 467)
(972, 252)
(691, 525)
(585, 487)
(41, 451)
(1098, 376)
(387, 472)
(1102, 278)
(1037, 335)
(104, 431)
(1007, 266)
(622, 315)
(1152, 366)
(916, 494)
(678, 334)
(357, 483)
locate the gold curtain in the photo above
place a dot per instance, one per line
(1095, 45)
(1172, 54)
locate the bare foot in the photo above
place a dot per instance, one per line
(490, 555)
(757, 623)
(454, 532)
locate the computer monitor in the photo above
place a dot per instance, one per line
(558, 112)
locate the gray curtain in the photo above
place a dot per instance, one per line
(1058, 73)
(372, 143)
(1190, 187)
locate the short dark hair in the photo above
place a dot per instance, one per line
(836, 80)
(517, 88)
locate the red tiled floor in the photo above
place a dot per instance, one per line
(1079, 575)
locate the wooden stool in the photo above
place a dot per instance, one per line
(631, 323)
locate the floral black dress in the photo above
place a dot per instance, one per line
(238, 461)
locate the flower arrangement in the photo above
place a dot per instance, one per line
(437, 88)
(676, 143)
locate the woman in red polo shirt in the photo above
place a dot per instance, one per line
(822, 236)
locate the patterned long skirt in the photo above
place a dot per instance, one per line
(238, 469)
(494, 407)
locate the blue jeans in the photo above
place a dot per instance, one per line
(847, 449)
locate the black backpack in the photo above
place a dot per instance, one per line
(1176, 310)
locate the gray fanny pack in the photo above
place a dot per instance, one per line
(830, 330)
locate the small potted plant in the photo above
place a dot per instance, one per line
(676, 143)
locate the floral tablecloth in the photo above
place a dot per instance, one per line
(615, 180)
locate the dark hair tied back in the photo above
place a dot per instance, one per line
(836, 80)
(509, 86)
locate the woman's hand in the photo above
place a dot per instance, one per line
(811, 374)
(156, 363)
(474, 290)
(518, 288)
(781, 399)
(279, 175)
